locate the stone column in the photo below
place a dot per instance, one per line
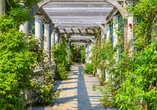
(115, 27)
(68, 52)
(39, 28)
(53, 38)
(52, 44)
(2, 7)
(130, 30)
(47, 44)
(86, 53)
(24, 27)
(102, 34)
(107, 39)
(108, 32)
(56, 38)
(90, 52)
(46, 37)
(115, 39)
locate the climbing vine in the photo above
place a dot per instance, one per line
(132, 78)
(42, 82)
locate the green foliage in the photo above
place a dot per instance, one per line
(60, 57)
(108, 103)
(145, 11)
(82, 51)
(16, 66)
(18, 58)
(88, 69)
(140, 81)
(133, 79)
(67, 36)
(16, 14)
(44, 92)
(72, 52)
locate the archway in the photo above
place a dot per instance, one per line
(112, 2)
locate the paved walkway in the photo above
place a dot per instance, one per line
(77, 92)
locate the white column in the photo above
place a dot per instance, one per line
(53, 43)
(90, 52)
(47, 44)
(130, 30)
(115, 39)
(46, 37)
(53, 38)
(108, 36)
(115, 27)
(86, 53)
(68, 52)
(24, 27)
(102, 34)
(39, 27)
(56, 38)
(108, 32)
(2, 7)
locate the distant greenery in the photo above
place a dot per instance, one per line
(67, 36)
(72, 52)
(60, 57)
(82, 51)
(88, 69)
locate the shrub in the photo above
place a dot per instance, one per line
(60, 57)
(16, 66)
(67, 36)
(44, 92)
(88, 69)
(82, 47)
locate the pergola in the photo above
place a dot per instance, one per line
(77, 16)
(68, 16)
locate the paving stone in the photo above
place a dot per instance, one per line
(77, 92)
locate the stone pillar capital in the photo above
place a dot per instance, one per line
(39, 17)
(54, 31)
(2, 7)
(47, 26)
(22, 3)
(128, 3)
(108, 26)
(115, 17)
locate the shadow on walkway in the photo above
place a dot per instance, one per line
(77, 92)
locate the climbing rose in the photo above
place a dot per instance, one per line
(130, 25)
(112, 93)
(135, 30)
